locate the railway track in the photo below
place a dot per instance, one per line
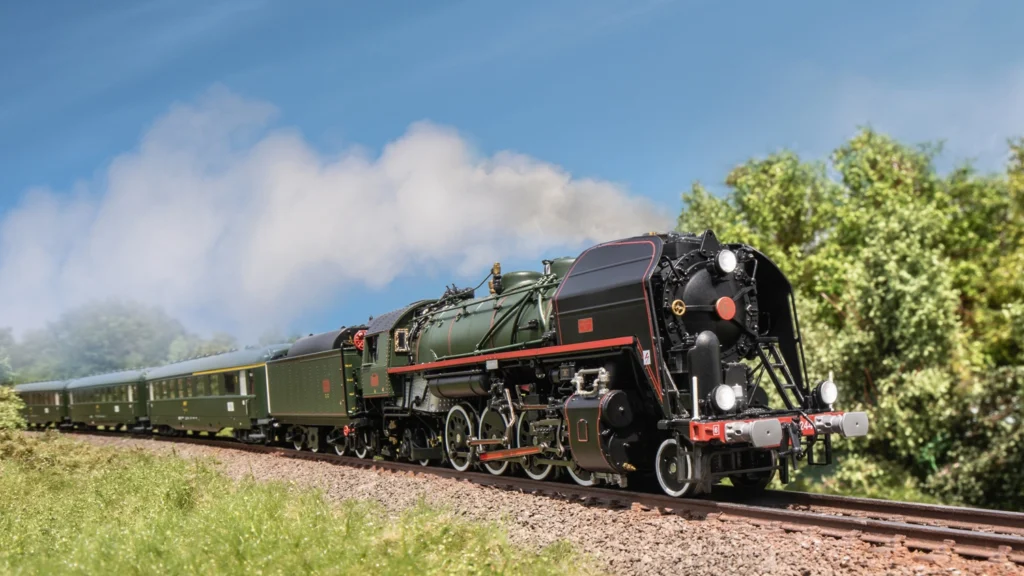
(969, 532)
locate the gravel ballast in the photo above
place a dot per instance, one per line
(625, 541)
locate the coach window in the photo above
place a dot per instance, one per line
(230, 383)
(215, 385)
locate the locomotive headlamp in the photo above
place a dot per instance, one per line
(726, 261)
(827, 392)
(724, 398)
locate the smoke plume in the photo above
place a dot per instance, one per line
(227, 223)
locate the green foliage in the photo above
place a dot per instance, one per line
(71, 507)
(98, 337)
(11, 409)
(104, 337)
(6, 343)
(908, 288)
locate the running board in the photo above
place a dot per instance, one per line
(510, 453)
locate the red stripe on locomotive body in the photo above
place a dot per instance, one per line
(530, 353)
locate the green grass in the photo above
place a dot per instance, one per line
(73, 508)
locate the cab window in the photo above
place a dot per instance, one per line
(370, 350)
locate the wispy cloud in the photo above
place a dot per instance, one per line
(229, 225)
(973, 118)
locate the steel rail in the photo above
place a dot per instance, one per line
(770, 508)
(1001, 520)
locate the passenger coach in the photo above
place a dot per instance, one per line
(212, 393)
(110, 400)
(46, 403)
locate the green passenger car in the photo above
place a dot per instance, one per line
(313, 391)
(46, 403)
(212, 393)
(110, 400)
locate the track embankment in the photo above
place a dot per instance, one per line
(644, 533)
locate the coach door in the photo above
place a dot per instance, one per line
(244, 384)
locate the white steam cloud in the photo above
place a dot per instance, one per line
(230, 226)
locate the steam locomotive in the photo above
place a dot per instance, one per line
(660, 353)
(672, 356)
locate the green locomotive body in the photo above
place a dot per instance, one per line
(516, 314)
(46, 403)
(212, 393)
(109, 400)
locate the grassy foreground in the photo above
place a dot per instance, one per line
(68, 507)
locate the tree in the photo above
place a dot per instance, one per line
(97, 337)
(6, 343)
(908, 289)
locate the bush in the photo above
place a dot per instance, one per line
(11, 409)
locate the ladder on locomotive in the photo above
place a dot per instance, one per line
(774, 364)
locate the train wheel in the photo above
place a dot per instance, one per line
(458, 429)
(298, 438)
(494, 425)
(754, 482)
(581, 476)
(667, 465)
(341, 445)
(535, 471)
(361, 443)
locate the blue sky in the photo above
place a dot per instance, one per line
(646, 96)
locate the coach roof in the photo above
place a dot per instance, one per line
(109, 379)
(225, 361)
(48, 386)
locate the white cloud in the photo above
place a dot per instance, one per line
(228, 225)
